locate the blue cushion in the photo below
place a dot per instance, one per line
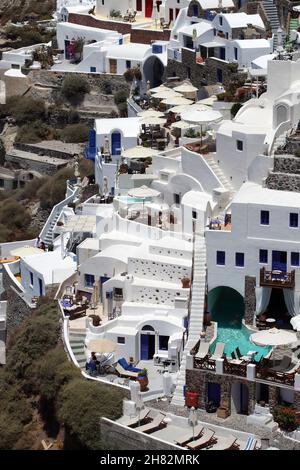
(124, 363)
(133, 369)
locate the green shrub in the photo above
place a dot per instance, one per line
(24, 109)
(74, 88)
(34, 132)
(10, 430)
(31, 188)
(121, 96)
(105, 86)
(80, 406)
(286, 417)
(13, 215)
(54, 189)
(75, 133)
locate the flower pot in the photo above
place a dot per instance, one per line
(185, 282)
(143, 383)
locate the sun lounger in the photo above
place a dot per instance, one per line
(293, 369)
(156, 423)
(202, 351)
(219, 351)
(284, 364)
(185, 438)
(205, 440)
(135, 421)
(250, 444)
(238, 353)
(125, 373)
(224, 443)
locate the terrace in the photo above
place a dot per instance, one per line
(277, 278)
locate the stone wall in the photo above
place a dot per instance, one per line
(200, 74)
(44, 168)
(128, 439)
(250, 299)
(198, 380)
(147, 36)
(17, 309)
(39, 150)
(87, 20)
(283, 182)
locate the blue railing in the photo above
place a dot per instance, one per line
(90, 153)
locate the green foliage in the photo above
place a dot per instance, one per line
(24, 109)
(105, 86)
(286, 417)
(75, 133)
(34, 132)
(13, 215)
(31, 188)
(27, 35)
(235, 108)
(74, 88)
(82, 403)
(10, 430)
(121, 96)
(143, 373)
(53, 190)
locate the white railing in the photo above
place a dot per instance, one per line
(279, 131)
(57, 210)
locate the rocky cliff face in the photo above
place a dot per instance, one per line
(22, 10)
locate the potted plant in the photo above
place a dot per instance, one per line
(143, 379)
(185, 282)
(96, 319)
(286, 417)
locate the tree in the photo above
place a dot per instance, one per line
(74, 88)
(75, 133)
(25, 109)
(81, 404)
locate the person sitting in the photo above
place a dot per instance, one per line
(92, 365)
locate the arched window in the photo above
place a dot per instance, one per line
(281, 114)
(148, 328)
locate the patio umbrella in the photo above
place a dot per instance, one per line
(143, 192)
(205, 116)
(182, 125)
(176, 100)
(153, 121)
(186, 88)
(273, 337)
(208, 101)
(199, 107)
(139, 152)
(150, 113)
(25, 251)
(181, 108)
(166, 94)
(102, 345)
(159, 88)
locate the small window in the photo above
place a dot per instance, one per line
(1, 183)
(235, 53)
(194, 214)
(157, 49)
(163, 343)
(264, 217)
(121, 340)
(240, 145)
(294, 258)
(177, 198)
(31, 278)
(221, 20)
(139, 5)
(128, 64)
(293, 220)
(93, 69)
(263, 256)
(188, 72)
(89, 280)
(221, 258)
(239, 260)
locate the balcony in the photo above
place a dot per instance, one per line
(277, 278)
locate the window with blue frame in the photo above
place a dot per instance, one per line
(195, 10)
(264, 217)
(128, 64)
(263, 256)
(89, 280)
(157, 49)
(121, 41)
(92, 69)
(31, 278)
(294, 258)
(293, 219)
(163, 343)
(221, 20)
(220, 258)
(240, 260)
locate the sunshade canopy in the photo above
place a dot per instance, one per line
(273, 337)
(139, 152)
(150, 113)
(182, 125)
(102, 345)
(185, 88)
(143, 192)
(165, 94)
(176, 100)
(153, 121)
(202, 117)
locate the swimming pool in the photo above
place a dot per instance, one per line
(238, 337)
(132, 200)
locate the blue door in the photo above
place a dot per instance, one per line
(116, 143)
(41, 287)
(214, 393)
(67, 54)
(144, 347)
(279, 260)
(102, 280)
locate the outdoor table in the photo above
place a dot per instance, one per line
(270, 322)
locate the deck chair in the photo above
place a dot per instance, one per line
(233, 355)
(130, 422)
(219, 351)
(125, 373)
(156, 423)
(284, 364)
(185, 438)
(238, 352)
(224, 443)
(202, 351)
(250, 444)
(205, 440)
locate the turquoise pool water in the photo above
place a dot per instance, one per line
(132, 200)
(238, 337)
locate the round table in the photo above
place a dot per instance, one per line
(270, 322)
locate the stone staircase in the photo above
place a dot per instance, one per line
(196, 312)
(48, 239)
(76, 339)
(209, 158)
(272, 14)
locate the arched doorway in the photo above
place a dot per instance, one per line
(153, 71)
(226, 306)
(281, 114)
(116, 143)
(147, 341)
